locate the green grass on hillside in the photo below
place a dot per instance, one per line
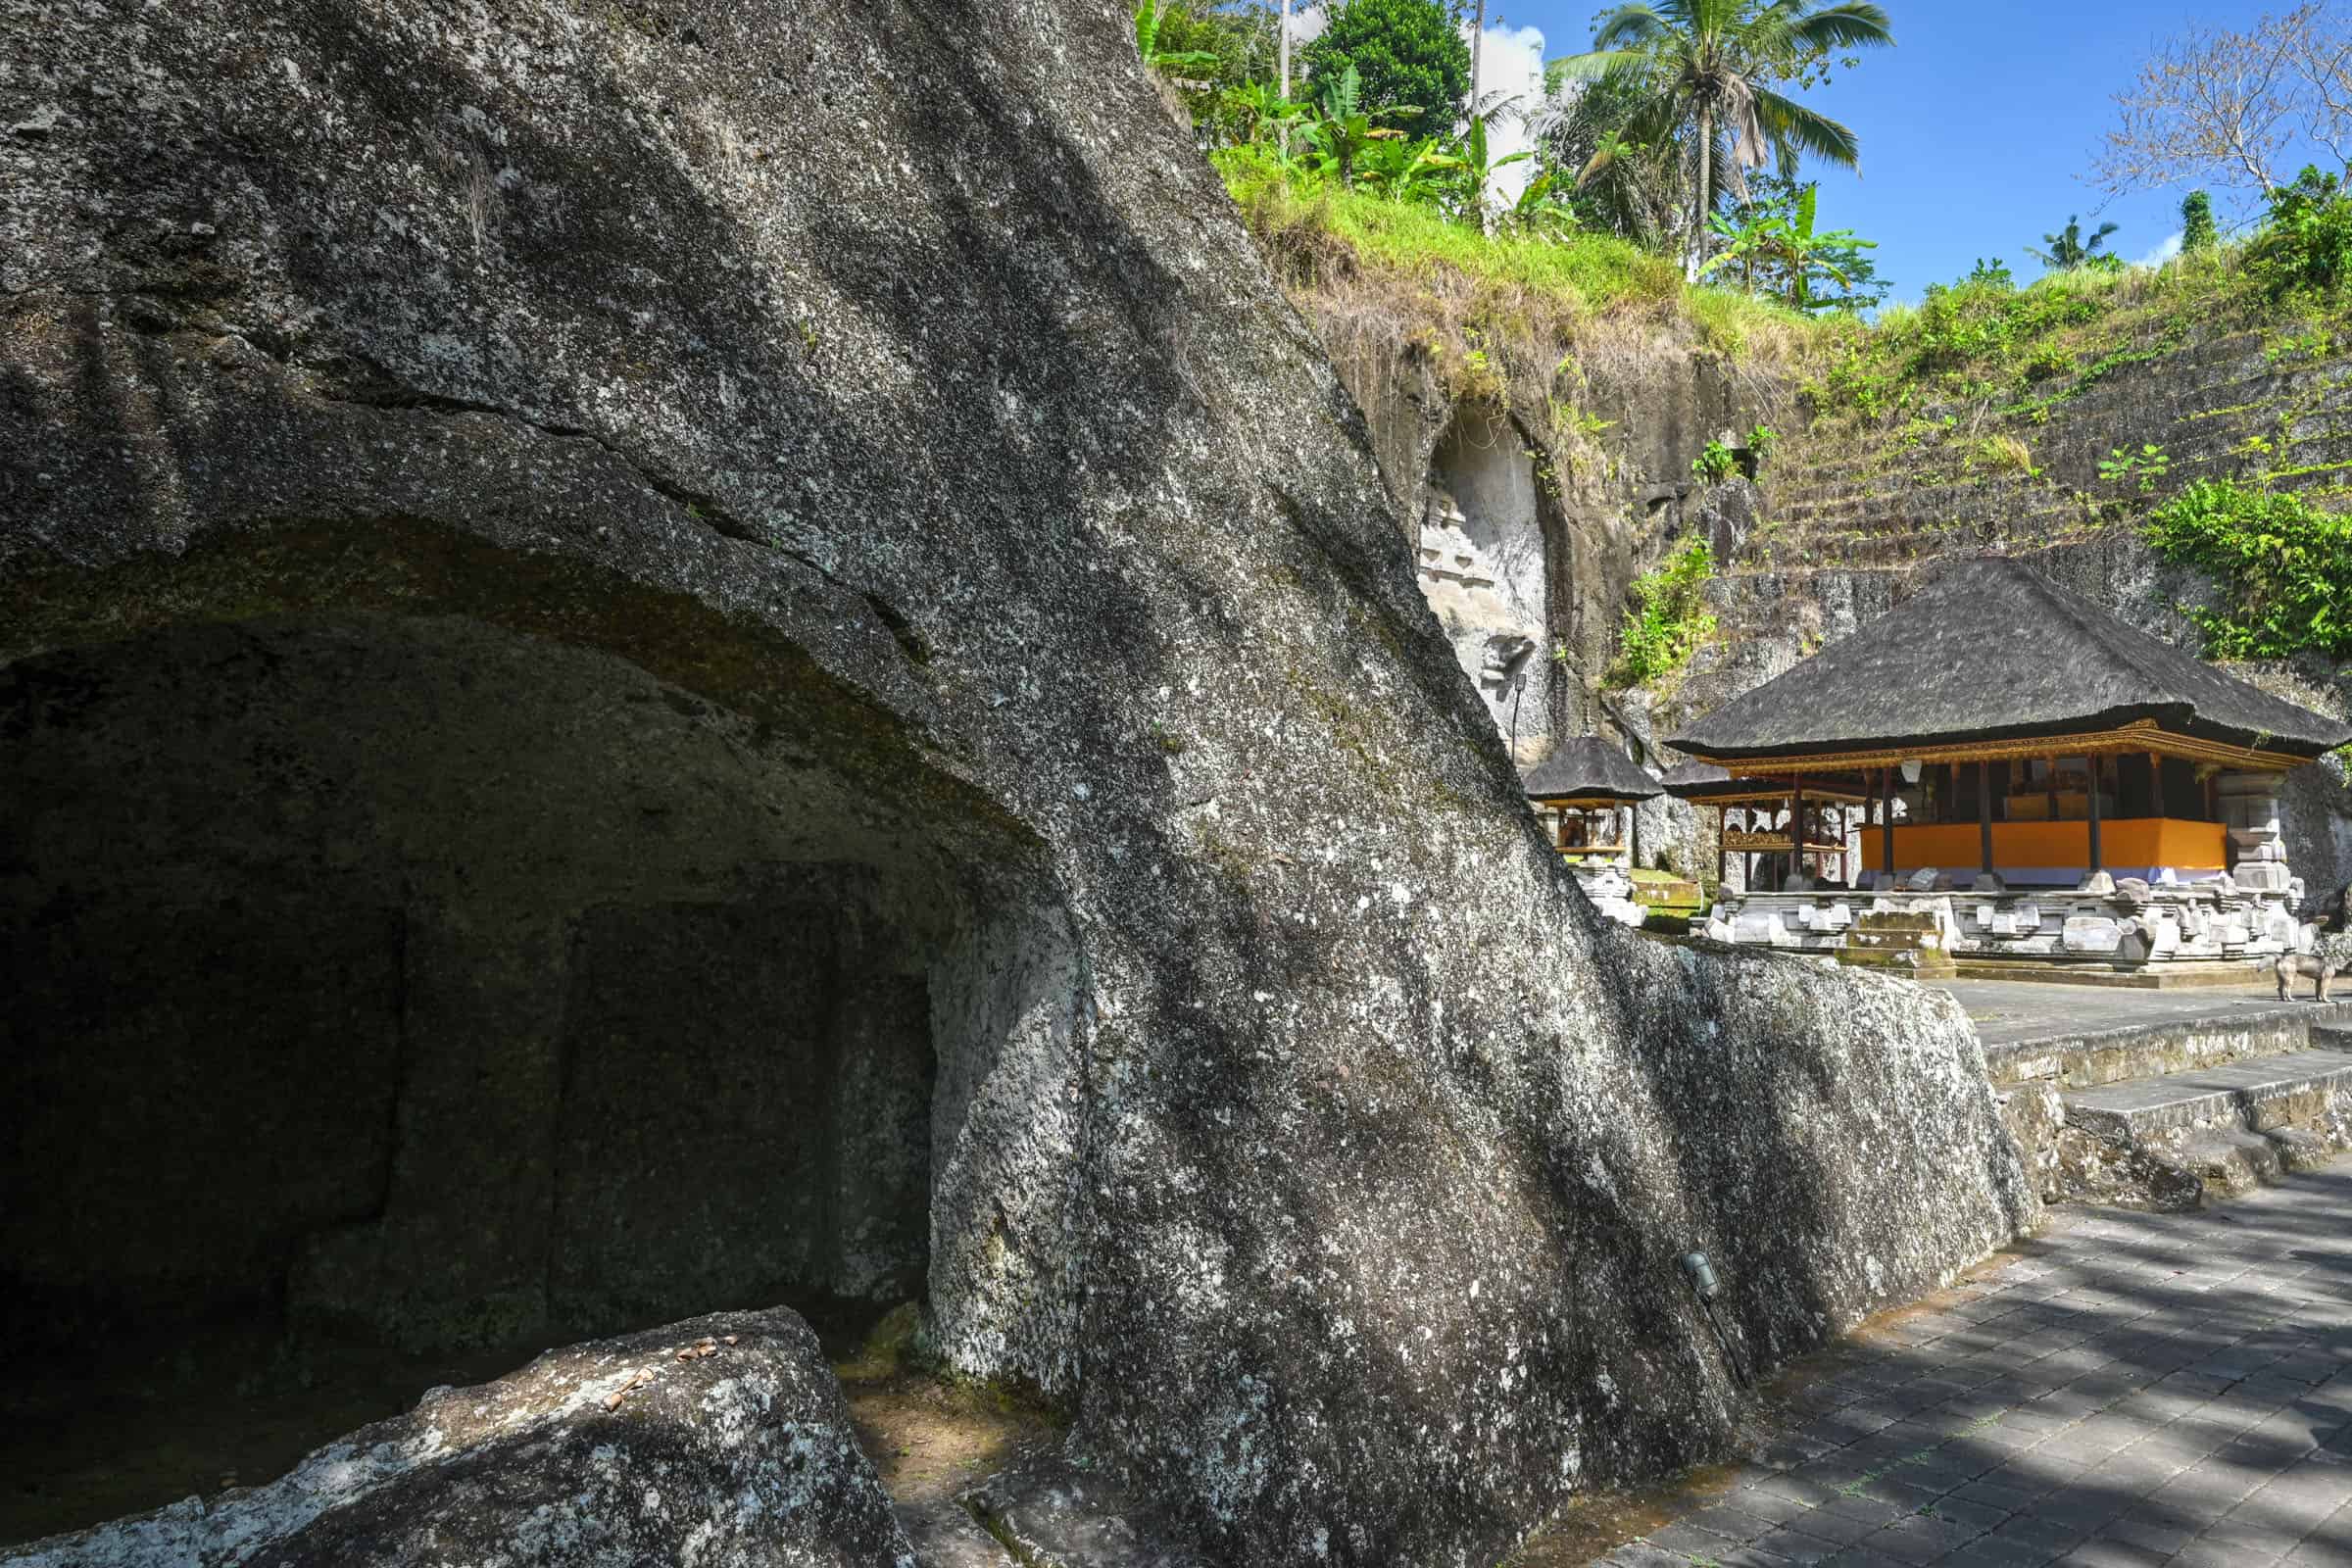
(1320, 236)
(2023, 351)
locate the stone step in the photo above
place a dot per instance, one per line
(2198, 1042)
(2229, 1163)
(2185, 1138)
(2257, 1094)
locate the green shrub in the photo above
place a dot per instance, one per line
(1407, 52)
(2142, 469)
(1670, 621)
(2284, 568)
(2308, 241)
(2047, 360)
(1715, 463)
(2197, 233)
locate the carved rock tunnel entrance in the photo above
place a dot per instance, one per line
(394, 994)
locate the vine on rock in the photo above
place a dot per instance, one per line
(2285, 567)
(1670, 620)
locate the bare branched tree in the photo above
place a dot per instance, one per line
(2226, 105)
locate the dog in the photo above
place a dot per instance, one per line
(2330, 954)
(2321, 966)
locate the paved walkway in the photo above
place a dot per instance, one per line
(2010, 1010)
(2128, 1388)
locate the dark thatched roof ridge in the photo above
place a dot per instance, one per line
(1590, 766)
(1691, 775)
(1991, 649)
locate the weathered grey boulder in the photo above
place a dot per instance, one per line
(817, 512)
(722, 1440)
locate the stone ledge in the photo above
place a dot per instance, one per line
(2157, 976)
(2234, 1095)
(2089, 1058)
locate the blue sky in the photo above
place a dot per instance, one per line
(1976, 128)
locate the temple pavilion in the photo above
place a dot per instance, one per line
(1592, 790)
(2020, 744)
(1764, 839)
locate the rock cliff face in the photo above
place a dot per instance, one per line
(598, 588)
(1538, 486)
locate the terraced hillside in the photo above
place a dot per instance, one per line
(1961, 476)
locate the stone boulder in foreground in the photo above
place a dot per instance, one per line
(665, 576)
(722, 1442)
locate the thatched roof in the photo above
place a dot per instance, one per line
(1685, 780)
(1589, 768)
(1994, 650)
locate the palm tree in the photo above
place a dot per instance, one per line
(1620, 186)
(2068, 248)
(1703, 70)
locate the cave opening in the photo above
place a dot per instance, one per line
(393, 997)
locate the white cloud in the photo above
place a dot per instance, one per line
(2164, 252)
(1511, 63)
(1307, 23)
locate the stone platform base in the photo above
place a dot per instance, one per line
(1910, 942)
(2157, 978)
(2129, 933)
(1612, 892)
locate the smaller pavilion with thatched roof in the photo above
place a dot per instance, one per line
(1591, 787)
(1768, 849)
(2054, 788)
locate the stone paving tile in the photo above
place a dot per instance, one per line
(2008, 1010)
(2125, 1390)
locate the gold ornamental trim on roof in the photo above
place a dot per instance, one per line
(1739, 843)
(2140, 735)
(1582, 802)
(1778, 794)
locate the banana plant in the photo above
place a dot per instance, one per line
(1775, 246)
(1539, 213)
(1411, 171)
(1479, 170)
(1342, 129)
(1171, 63)
(1261, 114)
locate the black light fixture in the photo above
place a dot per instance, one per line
(1706, 1287)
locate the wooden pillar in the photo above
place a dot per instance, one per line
(2095, 855)
(1984, 816)
(1887, 818)
(2155, 785)
(1632, 835)
(2053, 792)
(1723, 856)
(1797, 825)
